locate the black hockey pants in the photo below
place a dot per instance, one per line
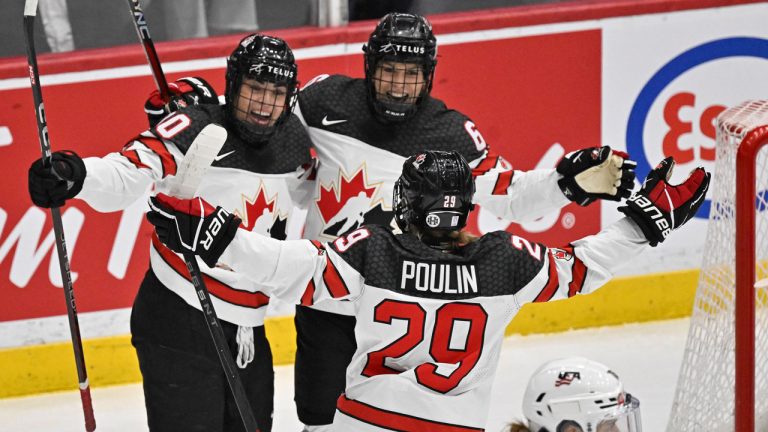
(325, 344)
(184, 386)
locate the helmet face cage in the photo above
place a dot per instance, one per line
(434, 192)
(579, 395)
(261, 87)
(400, 59)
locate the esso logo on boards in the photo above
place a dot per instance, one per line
(675, 112)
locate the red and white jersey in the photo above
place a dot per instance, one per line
(262, 185)
(360, 159)
(429, 324)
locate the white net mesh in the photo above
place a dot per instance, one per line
(704, 400)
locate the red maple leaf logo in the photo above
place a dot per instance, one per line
(332, 198)
(256, 207)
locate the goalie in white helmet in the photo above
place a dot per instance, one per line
(577, 395)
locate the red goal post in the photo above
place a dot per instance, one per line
(725, 363)
(746, 258)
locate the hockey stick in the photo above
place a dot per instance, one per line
(142, 30)
(30, 10)
(189, 174)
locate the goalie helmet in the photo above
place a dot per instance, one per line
(434, 192)
(268, 60)
(402, 38)
(577, 394)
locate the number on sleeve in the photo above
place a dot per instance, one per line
(172, 125)
(315, 79)
(344, 243)
(476, 136)
(534, 250)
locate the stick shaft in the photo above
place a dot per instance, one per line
(220, 342)
(58, 229)
(142, 30)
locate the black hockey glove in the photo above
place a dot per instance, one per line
(184, 92)
(596, 173)
(192, 226)
(50, 186)
(658, 207)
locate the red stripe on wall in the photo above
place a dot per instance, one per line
(216, 288)
(356, 32)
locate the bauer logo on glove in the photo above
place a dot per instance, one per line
(658, 207)
(212, 230)
(185, 225)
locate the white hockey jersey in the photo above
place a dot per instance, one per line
(429, 325)
(360, 159)
(261, 185)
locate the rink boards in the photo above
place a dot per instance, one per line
(537, 81)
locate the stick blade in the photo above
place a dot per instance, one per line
(197, 160)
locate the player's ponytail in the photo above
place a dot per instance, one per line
(463, 237)
(518, 427)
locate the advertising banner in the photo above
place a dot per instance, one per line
(650, 84)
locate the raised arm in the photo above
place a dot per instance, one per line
(585, 265)
(296, 271)
(582, 177)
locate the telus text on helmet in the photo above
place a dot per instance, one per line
(405, 49)
(257, 69)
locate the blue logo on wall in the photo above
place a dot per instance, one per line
(715, 50)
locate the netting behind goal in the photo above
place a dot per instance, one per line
(705, 396)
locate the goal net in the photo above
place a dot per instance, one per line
(705, 395)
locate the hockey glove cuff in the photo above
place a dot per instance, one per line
(50, 185)
(658, 207)
(184, 92)
(192, 226)
(596, 173)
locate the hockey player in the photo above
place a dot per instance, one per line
(260, 175)
(362, 130)
(577, 395)
(431, 311)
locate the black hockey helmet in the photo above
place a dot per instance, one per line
(434, 192)
(402, 38)
(265, 59)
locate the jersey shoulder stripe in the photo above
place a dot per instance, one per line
(158, 147)
(549, 290)
(216, 288)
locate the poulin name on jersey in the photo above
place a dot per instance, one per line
(439, 278)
